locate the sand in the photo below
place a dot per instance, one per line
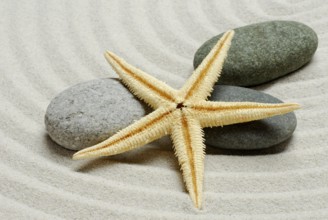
(47, 46)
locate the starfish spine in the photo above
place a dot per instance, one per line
(145, 87)
(187, 137)
(147, 129)
(225, 113)
(200, 84)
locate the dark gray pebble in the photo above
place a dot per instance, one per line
(264, 51)
(90, 112)
(250, 135)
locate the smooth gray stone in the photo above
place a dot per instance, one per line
(90, 112)
(250, 135)
(264, 51)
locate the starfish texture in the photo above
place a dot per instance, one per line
(182, 114)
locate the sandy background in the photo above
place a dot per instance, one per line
(47, 46)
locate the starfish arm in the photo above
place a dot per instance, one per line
(146, 87)
(143, 131)
(225, 113)
(200, 84)
(187, 136)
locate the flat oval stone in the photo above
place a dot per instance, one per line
(250, 135)
(90, 112)
(264, 51)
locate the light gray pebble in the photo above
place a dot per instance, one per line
(90, 112)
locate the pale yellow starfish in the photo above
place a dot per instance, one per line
(182, 114)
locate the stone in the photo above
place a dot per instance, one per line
(90, 112)
(250, 135)
(263, 51)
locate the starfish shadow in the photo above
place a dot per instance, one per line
(279, 148)
(161, 150)
(148, 155)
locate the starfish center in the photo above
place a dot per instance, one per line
(180, 105)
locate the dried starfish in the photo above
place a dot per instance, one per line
(182, 114)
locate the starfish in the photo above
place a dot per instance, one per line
(182, 114)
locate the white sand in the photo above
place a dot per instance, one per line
(47, 46)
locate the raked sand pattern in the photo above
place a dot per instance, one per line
(47, 46)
